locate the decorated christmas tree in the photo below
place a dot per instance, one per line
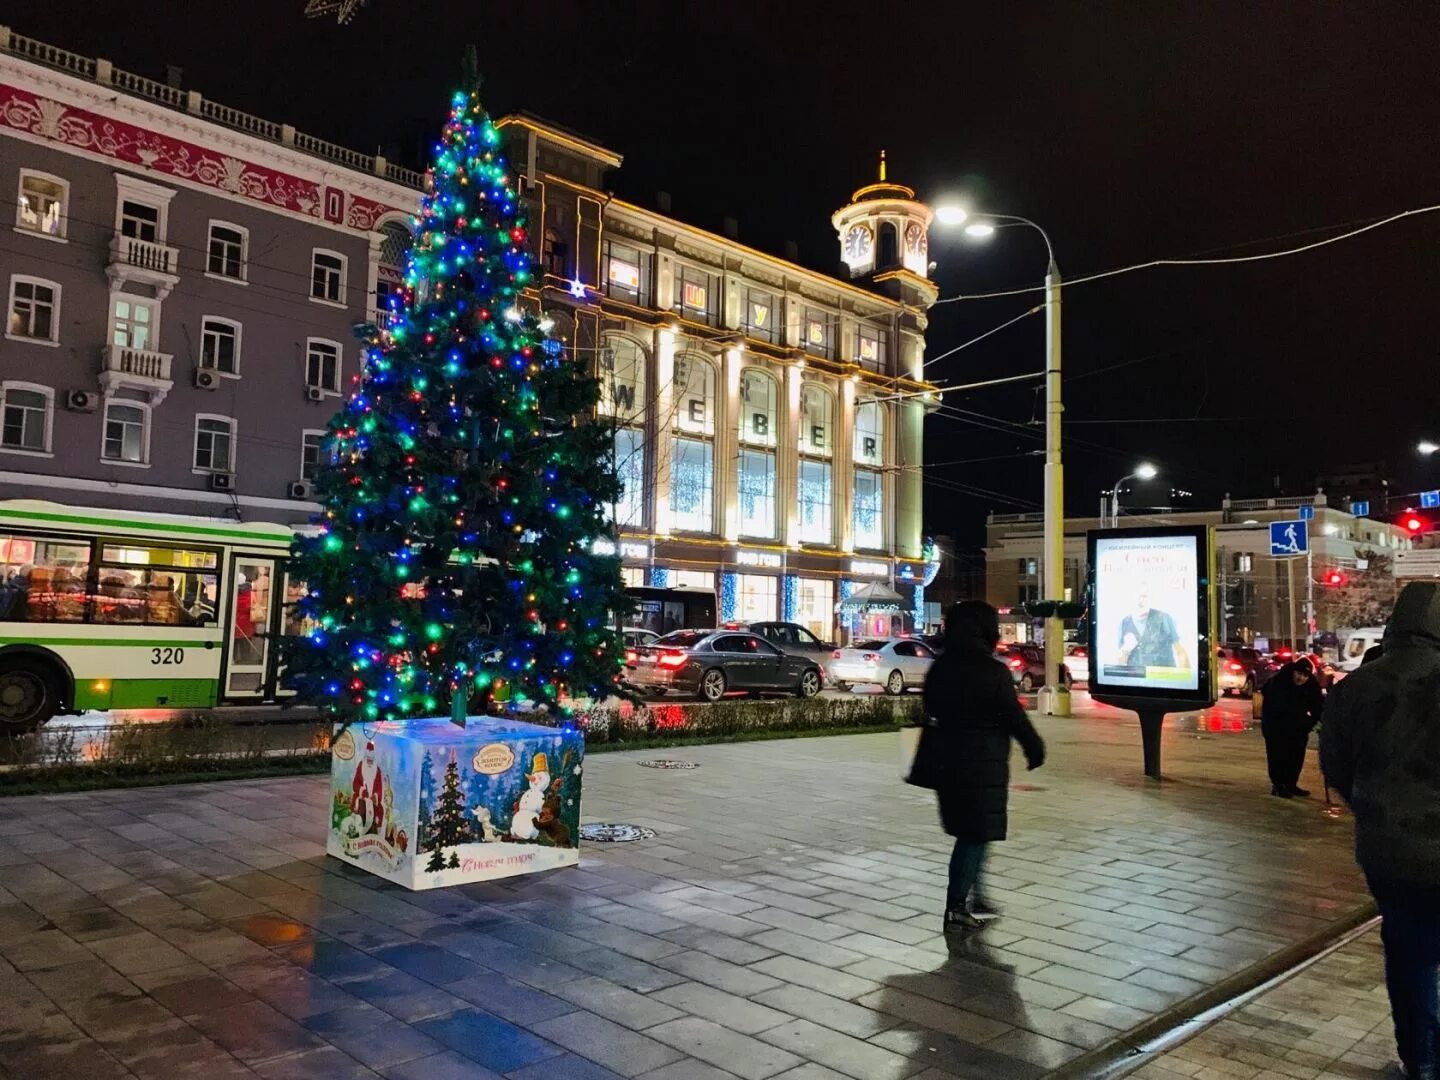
(453, 568)
(448, 826)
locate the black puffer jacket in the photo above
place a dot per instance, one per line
(1380, 745)
(971, 697)
(1287, 709)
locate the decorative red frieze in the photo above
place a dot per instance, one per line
(69, 125)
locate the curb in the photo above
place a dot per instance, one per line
(1140, 1045)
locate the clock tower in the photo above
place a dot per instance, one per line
(883, 231)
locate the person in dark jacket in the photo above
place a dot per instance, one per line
(1380, 748)
(1289, 711)
(970, 696)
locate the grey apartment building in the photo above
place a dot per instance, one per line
(182, 280)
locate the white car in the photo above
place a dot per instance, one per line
(894, 663)
(1077, 663)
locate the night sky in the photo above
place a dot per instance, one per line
(1131, 131)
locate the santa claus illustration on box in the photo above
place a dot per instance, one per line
(367, 798)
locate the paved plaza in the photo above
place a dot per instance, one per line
(783, 922)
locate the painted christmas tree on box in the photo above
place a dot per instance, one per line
(452, 571)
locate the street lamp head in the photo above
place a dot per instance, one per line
(979, 230)
(1146, 471)
(951, 214)
(1427, 447)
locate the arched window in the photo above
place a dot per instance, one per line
(888, 251)
(692, 461)
(759, 422)
(395, 240)
(868, 502)
(815, 480)
(869, 433)
(621, 370)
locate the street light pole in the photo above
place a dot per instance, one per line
(1054, 696)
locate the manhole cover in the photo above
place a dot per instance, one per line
(669, 763)
(610, 833)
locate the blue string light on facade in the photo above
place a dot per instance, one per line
(789, 597)
(729, 594)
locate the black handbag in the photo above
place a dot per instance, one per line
(927, 770)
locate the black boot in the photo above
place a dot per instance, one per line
(1280, 792)
(1300, 791)
(981, 905)
(959, 921)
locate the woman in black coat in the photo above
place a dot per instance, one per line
(1289, 710)
(970, 698)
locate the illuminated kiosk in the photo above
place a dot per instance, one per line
(427, 803)
(1152, 609)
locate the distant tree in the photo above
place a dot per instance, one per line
(1366, 598)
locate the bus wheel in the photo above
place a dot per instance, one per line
(28, 696)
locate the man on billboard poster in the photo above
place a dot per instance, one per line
(1149, 637)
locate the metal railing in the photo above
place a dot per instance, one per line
(145, 255)
(103, 72)
(141, 363)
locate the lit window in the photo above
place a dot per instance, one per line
(694, 388)
(869, 518)
(759, 397)
(756, 597)
(34, 310)
(695, 294)
(322, 365)
(869, 446)
(214, 444)
(815, 606)
(626, 273)
(132, 323)
(41, 206)
(759, 315)
(757, 494)
(622, 380)
(814, 502)
(220, 345)
(630, 468)
(226, 254)
(692, 485)
(25, 418)
(816, 332)
(124, 432)
(871, 347)
(327, 277)
(817, 420)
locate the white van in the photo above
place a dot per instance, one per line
(1357, 645)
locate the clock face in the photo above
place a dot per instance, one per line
(857, 243)
(915, 242)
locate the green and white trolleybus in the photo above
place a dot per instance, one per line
(108, 609)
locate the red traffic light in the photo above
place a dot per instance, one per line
(1414, 523)
(1334, 577)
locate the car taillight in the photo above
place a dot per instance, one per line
(672, 658)
(631, 656)
(871, 658)
(1016, 663)
(1233, 666)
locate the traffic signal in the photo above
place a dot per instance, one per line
(1334, 577)
(1414, 523)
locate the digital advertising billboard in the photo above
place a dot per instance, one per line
(1150, 613)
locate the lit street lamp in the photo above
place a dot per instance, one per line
(1054, 696)
(1143, 471)
(1427, 447)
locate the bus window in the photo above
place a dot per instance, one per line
(155, 586)
(42, 580)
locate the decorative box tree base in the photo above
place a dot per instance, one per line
(425, 803)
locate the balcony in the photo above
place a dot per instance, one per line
(145, 262)
(136, 369)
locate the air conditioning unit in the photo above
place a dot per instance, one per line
(314, 393)
(206, 379)
(222, 481)
(82, 400)
(301, 489)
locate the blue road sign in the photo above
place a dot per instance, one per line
(1289, 538)
(1307, 513)
(1429, 500)
(1360, 508)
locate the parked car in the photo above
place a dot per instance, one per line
(1077, 663)
(795, 640)
(894, 663)
(1027, 666)
(1243, 670)
(713, 663)
(1357, 644)
(637, 635)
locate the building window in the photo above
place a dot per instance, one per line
(757, 597)
(322, 364)
(214, 444)
(871, 347)
(692, 485)
(327, 276)
(41, 205)
(310, 443)
(692, 579)
(34, 310)
(694, 388)
(25, 415)
(632, 577)
(132, 323)
(622, 380)
(696, 294)
(627, 273)
(759, 403)
(869, 518)
(140, 221)
(816, 333)
(125, 434)
(555, 254)
(817, 420)
(869, 433)
(759, 317)
(888, 250)
(814, 499)
(630, 468)
(226, 255)
(1244, 562)
(220, 345)
(757, 494)
(815, 606)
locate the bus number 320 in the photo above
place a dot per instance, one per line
(167, 656)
